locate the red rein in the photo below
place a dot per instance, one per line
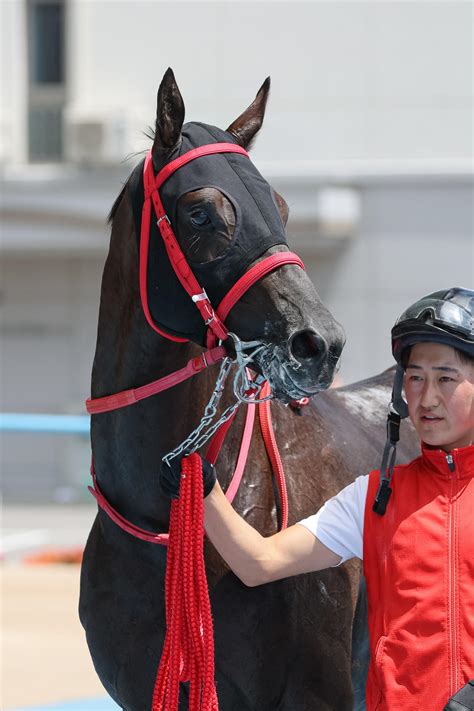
(188, 652)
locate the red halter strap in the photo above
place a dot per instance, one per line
(214, 321)
(175, 255)
(251, 277)
(94, 406)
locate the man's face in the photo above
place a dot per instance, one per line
(439, 389)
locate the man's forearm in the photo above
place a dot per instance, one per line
(242, 547)
(256, 559)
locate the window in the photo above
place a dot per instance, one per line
(46, 96)
(47, 21)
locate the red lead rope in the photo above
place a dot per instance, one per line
(188, 652)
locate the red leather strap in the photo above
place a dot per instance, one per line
(130, 397)
(207, 150)
(258, 271)
(175, 254)
(144, 242)
(184, 273)
(273, 454)
(158, 538)
(254, 274)
(243, 454)
(217, 440)
(212, 454)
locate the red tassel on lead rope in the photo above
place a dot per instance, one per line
(188, 651)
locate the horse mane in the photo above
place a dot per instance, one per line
(118, 199)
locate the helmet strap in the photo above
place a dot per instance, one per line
(398, 410)
(398, 403)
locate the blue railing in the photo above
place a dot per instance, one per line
(39, 423)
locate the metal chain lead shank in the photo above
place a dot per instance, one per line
(245, 390)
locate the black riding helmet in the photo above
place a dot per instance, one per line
(445, 317)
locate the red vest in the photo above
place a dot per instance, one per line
(419, 566)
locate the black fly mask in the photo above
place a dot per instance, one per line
(258, 227)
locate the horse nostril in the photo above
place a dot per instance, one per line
(308, 345)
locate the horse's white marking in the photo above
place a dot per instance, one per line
(371, 404)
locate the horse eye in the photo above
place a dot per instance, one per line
(199, 218)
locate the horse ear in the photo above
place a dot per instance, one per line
(169, 113)
(246, 127)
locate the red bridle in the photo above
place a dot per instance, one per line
(198, 616)
(214, 319)
(216, 330)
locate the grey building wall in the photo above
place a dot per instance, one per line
(49, 314)
(413, 237)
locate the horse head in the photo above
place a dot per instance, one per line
(226, 218)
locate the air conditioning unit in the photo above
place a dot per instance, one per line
(98, 139)
(91, 140)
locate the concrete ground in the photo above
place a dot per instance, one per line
(44, 656)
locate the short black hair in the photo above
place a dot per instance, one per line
(463, 356)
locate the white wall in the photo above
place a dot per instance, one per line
(351, 80)
(13, 82)
(366, 81)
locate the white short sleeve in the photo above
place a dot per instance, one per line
(339, 524)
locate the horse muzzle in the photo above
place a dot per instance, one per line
(303, 367)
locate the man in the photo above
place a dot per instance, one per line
(413, 525)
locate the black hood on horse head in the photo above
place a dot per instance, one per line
(258, 227)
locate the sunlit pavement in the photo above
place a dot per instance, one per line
(41, 631)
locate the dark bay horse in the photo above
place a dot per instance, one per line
(284, 646)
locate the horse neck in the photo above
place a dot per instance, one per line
(128, 444)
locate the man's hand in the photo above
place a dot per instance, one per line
(170, 477)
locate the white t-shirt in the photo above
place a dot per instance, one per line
(339, 524)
